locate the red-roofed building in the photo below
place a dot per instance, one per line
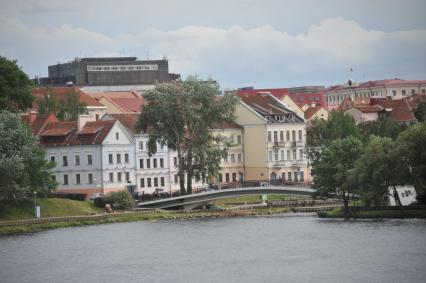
(61, 95)
(392, 88)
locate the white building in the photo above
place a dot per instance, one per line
(407, 195)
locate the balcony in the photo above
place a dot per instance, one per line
(278, 144)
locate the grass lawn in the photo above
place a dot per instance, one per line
(50, 207)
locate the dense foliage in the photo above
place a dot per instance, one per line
(119, 200)
(67, 111)
(23, 168)
(182, 116)
(15, 87)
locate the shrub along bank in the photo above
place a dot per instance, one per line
(372, 213)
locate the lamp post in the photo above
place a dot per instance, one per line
(36, 211)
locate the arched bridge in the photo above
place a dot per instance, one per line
(189, 202)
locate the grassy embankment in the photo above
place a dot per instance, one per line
(64, 207)
(372, 214)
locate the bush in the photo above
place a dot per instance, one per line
(119, 200)
(99, 202)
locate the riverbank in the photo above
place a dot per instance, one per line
(395, 213)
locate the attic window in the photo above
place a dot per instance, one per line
(116, 136)
(279, 118)
(268, 118)
(291, 117)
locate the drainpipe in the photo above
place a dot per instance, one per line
(102, 169)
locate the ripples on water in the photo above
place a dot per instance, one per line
(252, 249)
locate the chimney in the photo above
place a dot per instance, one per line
(32, 117)
(313, 104)
(83, 119)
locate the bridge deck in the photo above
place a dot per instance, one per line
(194, 200)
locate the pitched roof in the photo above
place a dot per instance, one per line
(61, 95)
(400, 110)
(309, 112)
(277, 92)
(368, 108)
(129, 104)
(267, 105)
(128, 120)
(37, 122)
(377, 83)
(114, 94)
(65, 133)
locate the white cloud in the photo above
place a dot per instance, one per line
(234, 56)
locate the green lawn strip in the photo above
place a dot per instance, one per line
(254, 199)
(396, 213)
(50, 207)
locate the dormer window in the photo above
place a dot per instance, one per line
(268, 118)
(279, 118)
(291, 117)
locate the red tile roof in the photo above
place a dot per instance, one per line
(115, 94)
(400, 110)
(61, 95)
(369, 109)
(277, 92)
(37, 122)
(309, 112)
(65, 133)
(128, 120)
(129, 104)
(379, 83)
(227, 125)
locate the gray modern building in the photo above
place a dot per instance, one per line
(112, 71)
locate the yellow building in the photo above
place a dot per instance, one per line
(232, 167)
(274, 139)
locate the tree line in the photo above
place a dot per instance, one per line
(366, 160)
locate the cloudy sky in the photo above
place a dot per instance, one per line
(239, 43)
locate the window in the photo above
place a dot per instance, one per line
(161, 163)
(77, 160)
(65, 179)
(281, 136)
(276, 155)
(148, 163)
(282, 154)
(270, 155)
(126, 158)
(110, 158)
(403, 92)
(294, 154)
(90, 178)
(141, 163)
(232, 158)
(225, 159)
(119, 177)
(234, 177)
(239, 139)
(141, 145)
(155, 182)
(269, 137)
(142, 181)
(89, 159)
(176, 178)
(117, 136)
(64, 161)
(295, 176)
(302, 178)
(97, 117)
(239, 157)
(52, 159)
(275, 136)
(288, 154)
(227, 177)
(111, 177)
(394, 92)
(148, 182)
(283, 176)
(118, 158)
(162, 181)
(423, 90)
(175, 161)
(127, 177)
(413, 91)
(155, 162)
(300, 135)
(293, 135)
(300, 154)
(289, 176)
(287, 136)
(77, 179)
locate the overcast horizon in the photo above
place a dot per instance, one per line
(241, 43)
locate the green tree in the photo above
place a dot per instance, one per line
(382, 127)
(182, 116)
(119, 200)
(15, 87)
(66, 111)
(333, 171)
(23, 168)
(411, 146)
(379, 168)
(338, 126)
(420, 111)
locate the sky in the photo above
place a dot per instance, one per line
(238, 43)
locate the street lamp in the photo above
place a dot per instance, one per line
(35, 205)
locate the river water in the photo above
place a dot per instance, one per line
(247, 249)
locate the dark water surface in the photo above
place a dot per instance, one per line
(253, 249)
